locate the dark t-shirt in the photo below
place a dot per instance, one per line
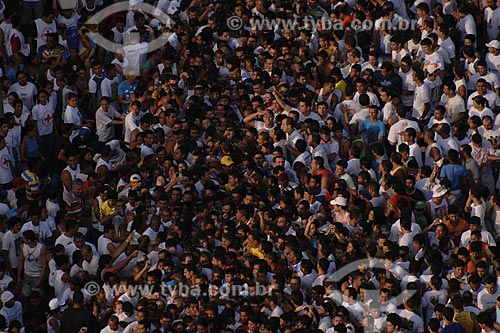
(393, 82)
(73, 320)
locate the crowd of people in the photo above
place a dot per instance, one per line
(223, 171)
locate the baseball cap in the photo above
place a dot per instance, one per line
(135, 177)
(420, 205)
(227, 161)
(84, 131)
(155, 24)
(54, 304)
(6, 296)
(341, 201)
(494, 43)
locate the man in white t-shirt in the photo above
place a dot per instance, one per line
(466, 24)
(432, 58)
(412, 323)
(453, 103)
(106, 117)
(109, 86)
(421, 97)
(131, 120)
(488, 296)
(25, 90)
(483, 73)
(482, 89)
(493, 56)
(11, 245)
(396, 132)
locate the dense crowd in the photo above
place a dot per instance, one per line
(218, 170)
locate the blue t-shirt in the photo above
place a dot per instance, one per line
(373, 131)
(453, 328)
(126, 89)
(454, 173)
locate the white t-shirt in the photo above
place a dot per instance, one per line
(491, 97)
(486, 300)
(485, 112)
(104, 129)
(466, 26)
(92, 266)
(73, 116)
(372, 96)
(42, 231)
(130, 125)
(408, 84)
(13, 313)
(412, 323)
(490, 77)
(435, 59)
(107, 88)
(493, 62)
(448, 46)
(420, 98)
(6, 158)
(44, 116)
(454, 106)
(11, 242)
(136, 55)
(27, 93)
(396, 130)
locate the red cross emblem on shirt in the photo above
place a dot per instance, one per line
(6, 162)
(48, 118)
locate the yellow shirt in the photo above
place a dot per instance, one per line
(255, 251)
(341, 87)
(464, 319)
(106, 209)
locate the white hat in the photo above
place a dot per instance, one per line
(6, 296)
(259, 50)
(431, 68)
(54, 304)
(341, 201)
(155, 24)
(494, 43)
(173, 7)
(438, 191)
(135, 177)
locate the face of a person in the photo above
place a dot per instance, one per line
(491, 288)
(73, 102)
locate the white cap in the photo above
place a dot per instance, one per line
(494, 43)
(341, 201)
(54, 304)
(155, 24)
(431, 68)
(135, 177)
(438, 191)
(6, 296)
(173, 7)
(259, 50)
